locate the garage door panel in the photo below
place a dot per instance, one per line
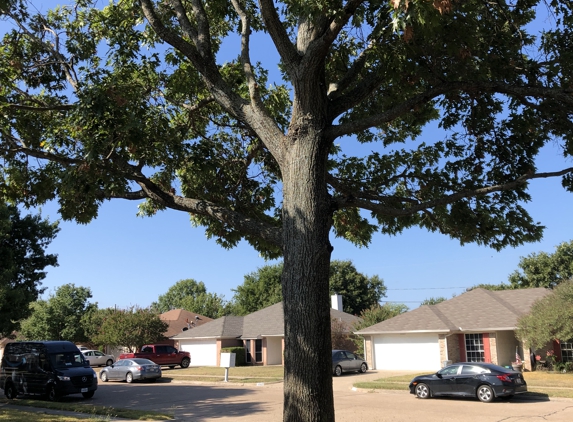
(408, 352)
(203, 352)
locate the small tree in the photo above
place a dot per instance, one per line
(60, 316)
(130, 328)
(374, 315)
(550, 318)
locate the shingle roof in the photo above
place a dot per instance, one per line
(266, 322)
(224, 327)
(476, 310)
(177, 319)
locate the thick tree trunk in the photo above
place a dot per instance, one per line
(308, 394)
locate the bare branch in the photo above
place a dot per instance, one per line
(245, 56)
(186, 26)
(281, 40)
(335, 27)
(204, 32)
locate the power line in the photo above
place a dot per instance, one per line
(431, 288)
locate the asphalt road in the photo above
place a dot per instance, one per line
(230, 402)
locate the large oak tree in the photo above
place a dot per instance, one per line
(134, 101)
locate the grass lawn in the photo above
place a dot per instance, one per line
(239, 374)
(552, 384)
(99, 413)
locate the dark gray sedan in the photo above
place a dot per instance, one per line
(485, 381)
(130, 370)
(346, 361)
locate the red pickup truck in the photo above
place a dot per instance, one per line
(161, 354)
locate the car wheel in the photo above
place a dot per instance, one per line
(129, 377)
(52, 395)
(363, 368)
(10, 391)
(422, 391)
(338, 371)
(485, 393)
(185, 362)
(103, 376)
(88, 395)
(109, 362)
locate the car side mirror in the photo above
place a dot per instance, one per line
(438, 375)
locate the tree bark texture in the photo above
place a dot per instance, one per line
(306, 226)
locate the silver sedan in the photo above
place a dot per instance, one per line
(97, 358)
(131, 369)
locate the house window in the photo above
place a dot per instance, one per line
(258, 350)
(248, 351)
(567, 351)
(474, 348)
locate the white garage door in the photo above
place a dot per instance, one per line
(407, 352)
(203, 352)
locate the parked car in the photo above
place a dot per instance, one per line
(485, 381)
(97, 358)
(130, 370)
(162, 354)
(51, 369)
(346, 361)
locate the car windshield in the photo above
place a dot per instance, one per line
(67, 359)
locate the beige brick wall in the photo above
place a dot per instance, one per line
(493, 347)
(453, 345)
(369, 351)
(443, 347)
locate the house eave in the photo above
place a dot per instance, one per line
(370, 333)
(461, 330)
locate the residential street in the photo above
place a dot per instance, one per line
(217, 402)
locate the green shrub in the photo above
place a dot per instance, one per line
(239, 354)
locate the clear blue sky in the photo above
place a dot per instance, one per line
(127, 260)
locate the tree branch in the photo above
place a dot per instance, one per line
(281, 40)
(355, 199)
(355, 126)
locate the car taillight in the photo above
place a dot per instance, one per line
(504, 377)
(141, 368)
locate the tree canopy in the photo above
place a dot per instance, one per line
(60, 316)
(262, 288)
(137, 100)
(550, 318)
(192, 296)
(433, 300)
(131, 328)
(544, 269)
(23, 262)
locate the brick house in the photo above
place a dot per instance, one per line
(478, 326)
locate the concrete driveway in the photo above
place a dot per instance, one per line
(231, 402)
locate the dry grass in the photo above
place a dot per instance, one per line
(239, 374)
(13, 415)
